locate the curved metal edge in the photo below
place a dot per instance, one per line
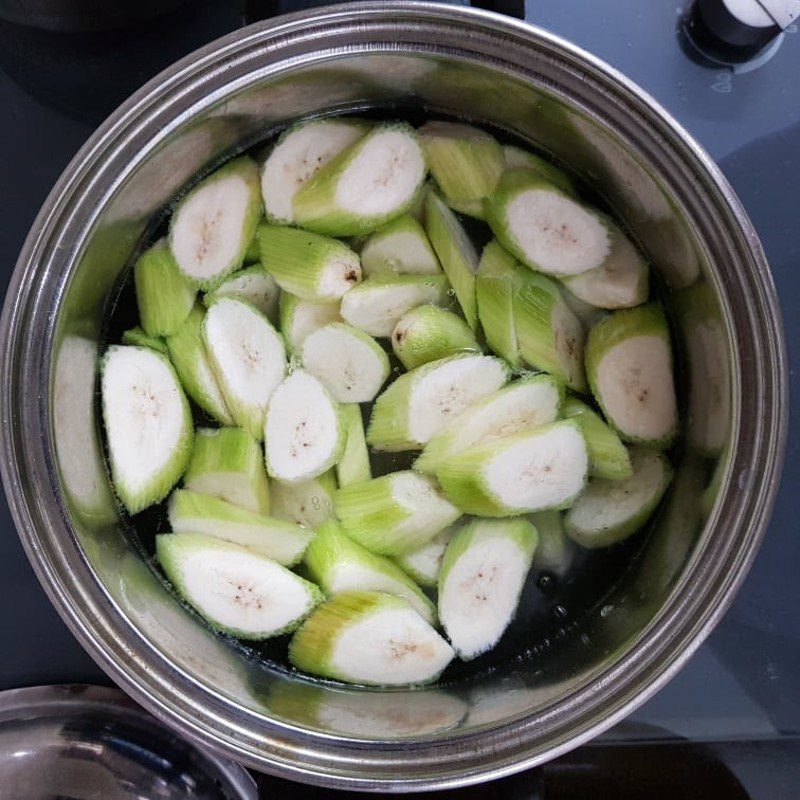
(58, 699)
(695, 637)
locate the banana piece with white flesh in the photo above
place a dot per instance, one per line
(190, 512)
(372, 639)
(254, 286)
(401, 246)
(227, 463)
(428, 333)
(549, 335)
(517, 158)
(298, 318)
(308, 265)
(148, 424)
(187, 352)
(303, 433)
(423, 563)
(629, 365)
(248, 359)
(308, 503)
(298, 155)
(395, 513)
(608, 457)
(465, 161)
(480, 582)
(535, 470)
(350, 363)
(419, 404)
(621, 281)
(163, 295)
(554, 551)
(610, 511)
(498, 280)
(213, 225)
(545, 228)
(138, 338)
(353, 466)
(365, 186)
(235, 589)
(377, 304)
(526, 403)
(456, 253)
(338, 564)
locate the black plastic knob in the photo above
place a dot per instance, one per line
(737, 31)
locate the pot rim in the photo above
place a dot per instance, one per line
(681, 625)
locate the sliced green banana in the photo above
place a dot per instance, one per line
(428, 333)
(545, 228)
(188, 354)
(536, 470)
(148, 425)
(190, 512)
(212, 227)
(303, 432)
(554, 552)
(138, 338)
(456, 253)
(248, 359)
(308, 503)
(369, 638)
(422, 402)
(621, 281)
(550, 336)
(254, 286)
(517, 158)
(608, 457)
(353, 466)
(299, 318)
(469, 208)
(629, 364)
(227, 463)
(338, 564)
(526, 403)
(497, 282)
(465, 162)
(423, 563)
(80, 456)
(401, 246)
(365, 186)
(163, 295)
(394, 514)
(481, 579)
(308, 265)
(349, 362)
(298, 155)
(610, 511)
(235, 589)
(705, 341)
(377, 305)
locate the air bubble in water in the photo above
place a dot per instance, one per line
(606, 610)
(546, 583)
(559, 612)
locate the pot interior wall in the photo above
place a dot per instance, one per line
(573, 626)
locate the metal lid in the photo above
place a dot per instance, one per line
(83, 742)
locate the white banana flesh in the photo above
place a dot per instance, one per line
(303, 431)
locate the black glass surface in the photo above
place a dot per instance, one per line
(743, 685)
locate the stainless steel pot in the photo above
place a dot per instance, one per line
(630, 637)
